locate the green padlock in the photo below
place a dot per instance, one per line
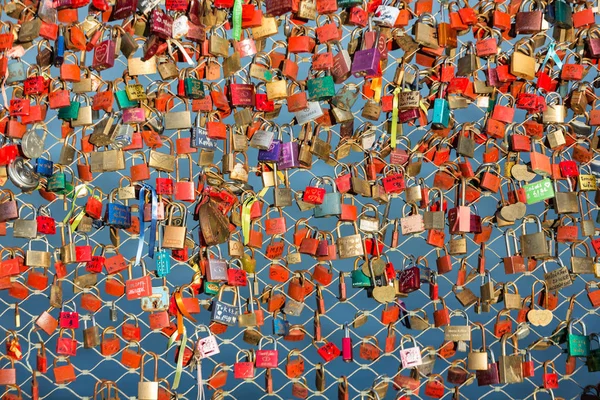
(320, 87)
(578, 345)
(193, 87)
(211, 288)
(563, 14)
(593, 359)
(69, 113)
(122, 98)
(57, 182)
(359, 279)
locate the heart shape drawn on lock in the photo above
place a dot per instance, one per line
(539, 317)
(100, 51)
(521, 173)
(384, 294)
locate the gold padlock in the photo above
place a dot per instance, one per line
(178, 119)
(161, 161)
(174, 235)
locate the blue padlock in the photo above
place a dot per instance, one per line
(44, 167)
(441, 111)
(281, 326)
(59, 55)
(199, 137)
(163, 263)
(332, 203)
(117, 215)
(550, 13)
(16, 72)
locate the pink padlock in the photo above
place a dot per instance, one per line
(347, 355)
(134, 115)
(410, 357)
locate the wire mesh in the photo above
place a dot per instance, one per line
(91, 365)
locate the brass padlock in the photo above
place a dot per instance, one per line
(174, 235)
(84, 117)
(38, 258)
(91, 335)
(510, 367)
(25, 228)
(219, 45)
(178, 119)
(148, 390)
(161, 161)
(67, 250)
(523, 63)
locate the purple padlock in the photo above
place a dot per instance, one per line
(272, 154)
(492, 77)
(288, 156)
(366, 62)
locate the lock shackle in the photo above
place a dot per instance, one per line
(248, 353)
(510, 232)
(369, 338)
(569, 184)
(509, 284)
(487, 166)
(85, 320)
(153, 355)
(190, 172)
(545, 290)
(439, 193)
(407, 338)
(486, 277)
(61, 331)
(108, 329)
(505, 337)
(541, 389)
(62, 308)
(127, 317)
(579, 321)
(477, 325)
(410, 260)
(268, 339)
(576, 244)
(414, 209)
(557, 260)
(535, 218)
(550, 364)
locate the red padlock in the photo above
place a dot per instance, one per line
(550, 379)
(435, 386)
(314, 194)
(329, 351)
(594, 296)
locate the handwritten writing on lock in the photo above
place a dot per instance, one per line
(138, 288)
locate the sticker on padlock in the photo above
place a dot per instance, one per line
(157, 301)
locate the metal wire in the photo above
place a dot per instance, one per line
(91, 365)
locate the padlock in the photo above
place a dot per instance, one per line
(534, 244)
(148, 390)
(578, 345)
(267, 358)
(510, 366)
